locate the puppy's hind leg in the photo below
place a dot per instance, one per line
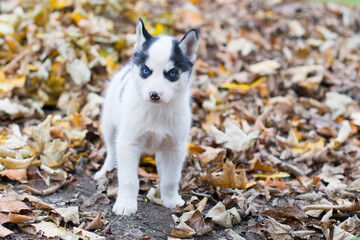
(110, 160)
(169, 165)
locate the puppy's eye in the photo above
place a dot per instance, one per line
(173, 72)
(145, 72)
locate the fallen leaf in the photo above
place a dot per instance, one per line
(4, 232)
(14, 174)
(233, 137)
(12, 206)
(49, 229)
(265, 67)
(337, 103)
(83, 234)
(277, 230)
(272, 176)
(225, 218)
(182, 231)
(257, 165)
(228, 178)
(243, 87)
(153, 197)
(95, 224)
(69, 214)
(240, 45)
(211, 155)
(79, 71)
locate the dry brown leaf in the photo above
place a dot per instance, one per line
(182, 231)
(97, 223)
(211, 155)
(226, 218)
(4, 232)
(228, 178)
(69, 214)
(14, 174)
(12, 206)
(277, 230)
(19, 218)
(257, 165)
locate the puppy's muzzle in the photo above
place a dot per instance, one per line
(154, 96)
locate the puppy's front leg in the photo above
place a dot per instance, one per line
(128, 156)
(169, 165)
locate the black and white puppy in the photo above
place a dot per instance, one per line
(147, 108)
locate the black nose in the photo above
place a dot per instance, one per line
(154, 96)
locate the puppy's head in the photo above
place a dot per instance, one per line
(162, 64)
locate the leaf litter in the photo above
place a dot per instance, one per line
(276, 117)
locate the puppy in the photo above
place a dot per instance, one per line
(147, 108)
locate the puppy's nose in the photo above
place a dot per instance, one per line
(154, 96)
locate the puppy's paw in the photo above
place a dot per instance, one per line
(123, 207)
(173, 202)
(100, 174)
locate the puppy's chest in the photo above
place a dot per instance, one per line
(154, 141)
(157, 134)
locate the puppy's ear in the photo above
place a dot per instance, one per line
(141, 34)
(189, 44)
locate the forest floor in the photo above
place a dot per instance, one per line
(274, 151)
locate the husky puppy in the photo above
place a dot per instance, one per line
(147, 108)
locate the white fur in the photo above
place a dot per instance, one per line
(135, 124)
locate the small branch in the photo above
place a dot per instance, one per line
(49, 190)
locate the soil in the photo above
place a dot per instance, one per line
(150, 222)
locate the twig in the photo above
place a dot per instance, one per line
(49, 190)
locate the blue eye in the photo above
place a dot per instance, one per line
(173, 73)
(145, 72)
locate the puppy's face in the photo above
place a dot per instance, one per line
(162, 64)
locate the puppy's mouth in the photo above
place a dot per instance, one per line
(155, 101)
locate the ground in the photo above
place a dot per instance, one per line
(274, 150)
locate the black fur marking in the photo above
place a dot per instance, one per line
(141, 56)
(180, 60)
(124, 84)
(146, 34)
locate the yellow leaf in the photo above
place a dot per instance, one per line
(17, 163)
(41, 17)
(77, 17)
(59, 4)
(159, 29)
(195, 1)
(6, 85)
(148, 160)
(244, 87)
(223, 70)
(272, 176)
(308, 148)
(297, 134)
(78, 120)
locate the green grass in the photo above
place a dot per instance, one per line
(345, 2)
